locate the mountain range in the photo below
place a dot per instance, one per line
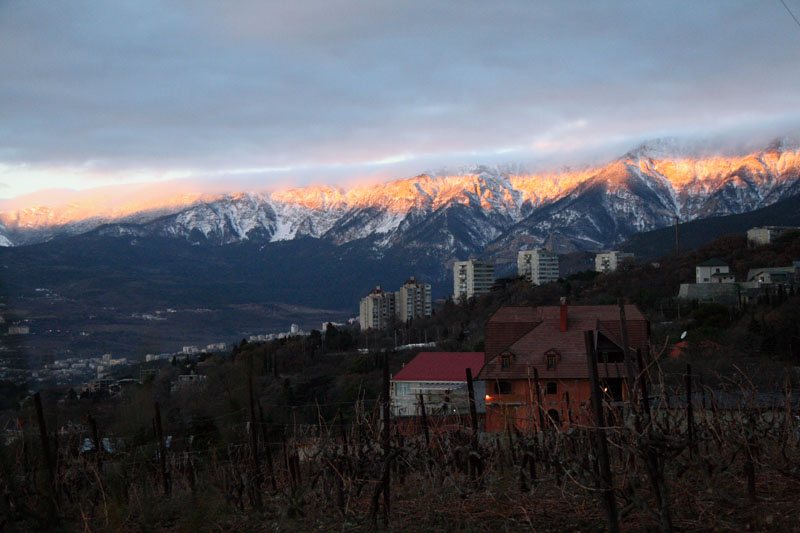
(485, 211)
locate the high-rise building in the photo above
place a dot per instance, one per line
(472, 277)
(413, 300)
(609, 261)
(376, 309)
(538, 266)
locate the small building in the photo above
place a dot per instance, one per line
(376, 309)
(441, 379)
(607, 262)
(471, 278)
(773, 276)
(721, 293)
(523, 342)
(714, 271)
(538, 266)
(188, 381)
(19, 330)
(767, 234)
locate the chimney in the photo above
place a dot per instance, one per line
(563, 327)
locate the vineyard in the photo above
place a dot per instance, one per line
(681, 457)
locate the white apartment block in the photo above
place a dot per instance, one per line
(538, 266)
(376, 309)
(767, 234)
(471, 278)
(413, 300)
(609, 261)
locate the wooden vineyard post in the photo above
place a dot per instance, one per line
(256, 481)
(387, 427)
(606, 481)
(475, 460)
(383, 486)
(539, 408)
(643, 384)
(623, 325)
(48, 459)
(424, 420)
(162, 452)
(689, 409)
(267, 450)
(473, 412)
(96, 440)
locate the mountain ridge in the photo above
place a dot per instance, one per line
(478, 212)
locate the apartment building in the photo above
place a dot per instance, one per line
(413, 300)
(471, 278)
(606, 262)
(376, 309)
(538, 266)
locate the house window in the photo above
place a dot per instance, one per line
(551, 361)
(502, 387)
(505, 361)
(552, 387)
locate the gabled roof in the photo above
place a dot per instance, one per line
(753, 272)
(512, 314)
(545, 335)
(714, 262)
(441, 366)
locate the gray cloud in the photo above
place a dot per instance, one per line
(210, 86)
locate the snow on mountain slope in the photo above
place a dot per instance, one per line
(461, 211)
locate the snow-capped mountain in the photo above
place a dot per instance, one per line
(449, 214)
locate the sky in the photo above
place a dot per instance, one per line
(265, 95)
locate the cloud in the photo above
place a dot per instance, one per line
(149, 90)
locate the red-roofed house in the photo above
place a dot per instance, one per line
(441, 377)
(551, 341)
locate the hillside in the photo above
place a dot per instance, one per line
(289, 432)
(693, 234)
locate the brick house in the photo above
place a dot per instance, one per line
(551, 341)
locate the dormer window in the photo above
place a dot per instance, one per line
(505, 360)
(551, 358)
